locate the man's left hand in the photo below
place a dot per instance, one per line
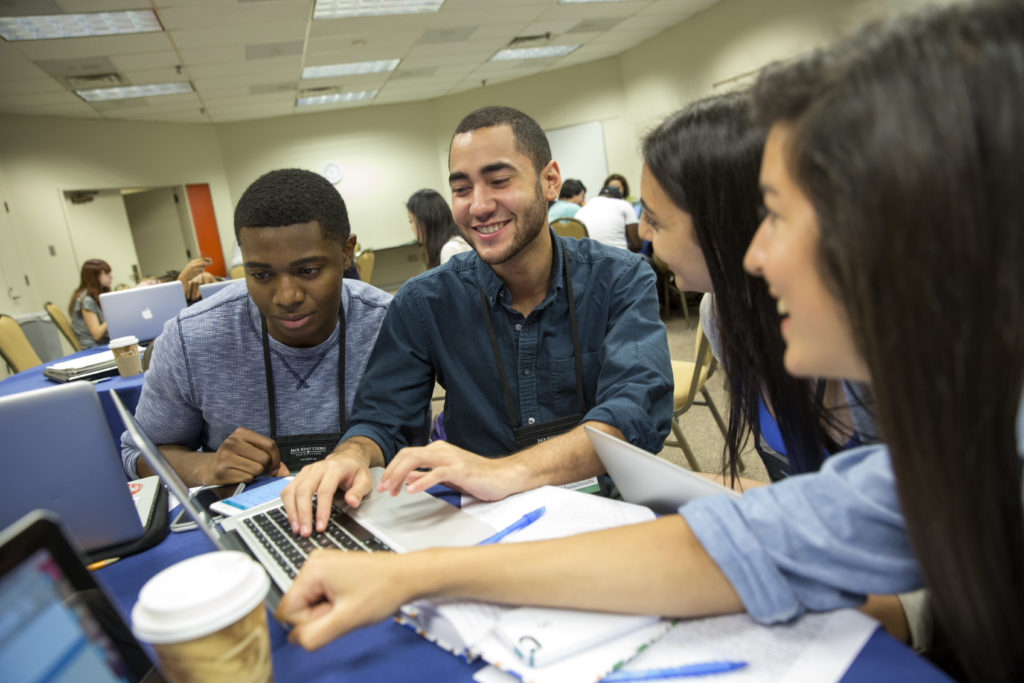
(483, 478)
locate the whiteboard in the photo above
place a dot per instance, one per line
(579, 151)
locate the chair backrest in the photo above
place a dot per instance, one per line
(704, 365)
(570, 227)
(15, 347)
(63, 324)
(364, 264)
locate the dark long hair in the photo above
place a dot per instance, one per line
(907, 140)
(706, 157)
(436, 225)
(89, 281)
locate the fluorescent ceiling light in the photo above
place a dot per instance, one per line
(334, 9)
(335, 97)
(132, 91)
(510, 54)
(350, 68)
(78, 25)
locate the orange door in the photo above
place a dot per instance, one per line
(201, 206)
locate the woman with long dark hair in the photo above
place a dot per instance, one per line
(703, 162)
(892, 243)
(435, 229)
(84, 307)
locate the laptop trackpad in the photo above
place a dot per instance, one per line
(414, 521)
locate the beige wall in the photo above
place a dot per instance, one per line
(387, 152)
(40, 157)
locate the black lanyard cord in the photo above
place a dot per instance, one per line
(271, 394)
(573, 327)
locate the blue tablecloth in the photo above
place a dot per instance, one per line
(128, 388)
(389, 652)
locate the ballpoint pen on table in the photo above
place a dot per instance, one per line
(521, 523)
(699, 669)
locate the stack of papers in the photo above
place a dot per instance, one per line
(86, 367)
(580, 645)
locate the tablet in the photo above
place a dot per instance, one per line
(646, 479)
(58, 623)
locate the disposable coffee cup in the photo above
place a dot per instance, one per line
(126, 355)
(205, 619)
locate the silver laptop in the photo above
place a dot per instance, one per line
(648, 480)
(381, 523)
(142, 311)
(210, 288)
(59, 455)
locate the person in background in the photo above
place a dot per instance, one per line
(435, 229)
(87, 319)
(611, 220)
(191, 276)
(858, 215)
(619, 182)
(261, 379)
(570, 198)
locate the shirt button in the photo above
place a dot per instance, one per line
(519, 326)
(526, 372)
(531, 420)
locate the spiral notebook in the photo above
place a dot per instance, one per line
(541, 644)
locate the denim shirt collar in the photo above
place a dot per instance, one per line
(496, 291)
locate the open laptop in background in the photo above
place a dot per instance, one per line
(646, 479)
(210, 288)
(381, 523)
(59, 455)
(142, 311)
(58, 624)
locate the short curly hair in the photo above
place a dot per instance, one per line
(289, 196)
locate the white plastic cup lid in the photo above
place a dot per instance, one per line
(123, 341)
(198, 596)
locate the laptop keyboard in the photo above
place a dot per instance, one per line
(288, 550)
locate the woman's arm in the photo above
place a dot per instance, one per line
(654, 568)
(97, 329)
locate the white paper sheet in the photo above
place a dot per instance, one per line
(816, 647)
(568, 512)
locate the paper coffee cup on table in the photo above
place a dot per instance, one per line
(205, 619)
(126, 355)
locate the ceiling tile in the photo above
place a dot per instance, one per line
(76, 48)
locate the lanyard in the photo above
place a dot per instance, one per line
(271, 396)
(509, 402)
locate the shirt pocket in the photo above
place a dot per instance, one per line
(562, 388)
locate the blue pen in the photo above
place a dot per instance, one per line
(521, 523)
(701, 669)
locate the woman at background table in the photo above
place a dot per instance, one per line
(435, 229)
(893, 238)
(84, 308)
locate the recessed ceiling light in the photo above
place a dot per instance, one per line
(350, 68)
(508, 55)
(78, 25)
(335, 97)
(132, 91)
(334, 9)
